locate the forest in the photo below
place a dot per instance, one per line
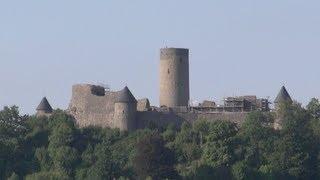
(55, 148)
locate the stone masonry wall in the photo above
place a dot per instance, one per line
(90, 106)
(164, 118)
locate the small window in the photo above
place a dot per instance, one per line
(168, 71)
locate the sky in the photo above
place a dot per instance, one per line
(237, 47)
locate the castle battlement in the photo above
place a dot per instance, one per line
(170, 53)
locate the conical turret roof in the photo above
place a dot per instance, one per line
(125, 95)
(44, 105)
(283, 96)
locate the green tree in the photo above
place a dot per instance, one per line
(153, 159)
(61, 140)
(314, 108)
(11, 123)
(14, 176)
(14, 157)
(45, 161)
(169, 134)
(185, 144)
(50, 175)
(202, 129)
(218, 150)
(103, 167)
(295, 153)
(256, 138)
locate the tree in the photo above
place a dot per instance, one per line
(240, 170)
(169, 134)
(204, 172)
(45, 161)
(14, 176)
(202, 129)
(64, 156)
(13, 154)
(50, 175)
(256, 137)
(218, 150)
(295, 153)
(153, 159)
(185, 144)
(11, 123)
(103, 166)
(314, 108)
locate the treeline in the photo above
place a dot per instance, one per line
(54, 148)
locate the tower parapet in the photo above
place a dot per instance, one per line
(174, 77)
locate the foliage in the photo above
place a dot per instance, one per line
(153, 159)
(218, 150)
(14, 176)
(55, 148)
(314, 108)
(50, 175)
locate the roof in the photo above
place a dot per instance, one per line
(126, 96)
(283, 96)
(44, 105)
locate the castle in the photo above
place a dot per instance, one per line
(93, 105)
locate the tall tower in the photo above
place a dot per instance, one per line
(174, 77)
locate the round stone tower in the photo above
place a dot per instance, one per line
(174, 77)
(282, 98)
(44, 108)
(125, 109)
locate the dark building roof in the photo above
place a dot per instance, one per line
(44, 105)
(283, 96)
(126, 96)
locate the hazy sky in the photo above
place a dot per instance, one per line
(236, 47)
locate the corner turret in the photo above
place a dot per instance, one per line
(125, 109)
(44, 108)
(282, 98)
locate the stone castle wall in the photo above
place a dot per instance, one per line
(92, 106)
(164, 118)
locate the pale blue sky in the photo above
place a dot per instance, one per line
(236, 47)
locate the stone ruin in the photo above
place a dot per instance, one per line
(93, 105)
